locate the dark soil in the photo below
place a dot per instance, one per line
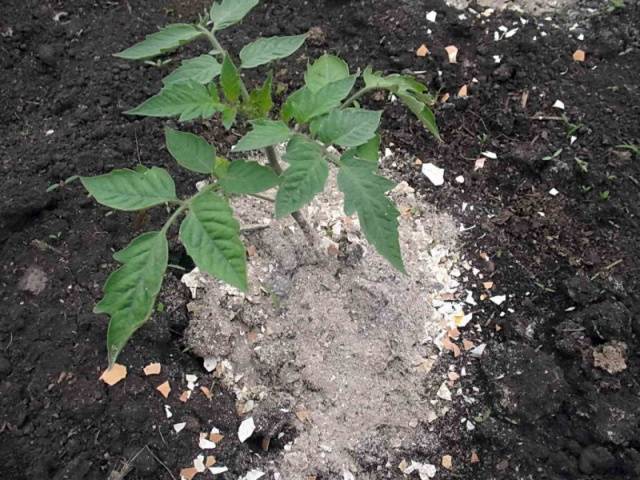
(545, 412)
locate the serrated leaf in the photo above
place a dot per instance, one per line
(364, 193)
(164, 41)
(229, 115)
(186, 100)
(412, 93)
(131, 291)
(305, 105)
(230, 80)
(260, 99)
(422, 112)
(248, 178)
(229, 12)
(325, 70)
(265, 50)
(191, 151)
(369, 151)
(306, 176)
(131, 190)
(348, 128)
(211, 236)
(264, 134)
(202, 69)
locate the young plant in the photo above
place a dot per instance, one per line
(321, 114)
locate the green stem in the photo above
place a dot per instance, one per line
(271, 153)
(174, 216)
(355, 96)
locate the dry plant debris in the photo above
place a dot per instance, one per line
(610, 357)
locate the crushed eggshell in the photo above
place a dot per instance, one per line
(443, 392)
(210, 461)
(433, 173)
(452, 347)
(431, 16)
(553, 192)
(479, 350)
(164, 389)
(463, 92)
(167, 411)
(188, 473)
(206, 392)
(113, 375)
(422, 51)
(210, 364)
(479, 163)
(579, 55)
(498, 299)
(559, 104)
(204, 443)
(216, 437)
(184, 396)
(218, 470)
(247, 427)
(198, 463)
(487, 285)
(152, 369)
(474, 457)
(447, 462)
(452, 53)
(253, 475)
(467, 344)
(178, 427)
(490, 155)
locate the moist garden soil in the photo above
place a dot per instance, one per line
(568, 262)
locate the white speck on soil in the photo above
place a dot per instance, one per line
(339, 331)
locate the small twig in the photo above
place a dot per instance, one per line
(266, 198)
(542, 117)
(607, 268)
(160, 462)
(254, 228)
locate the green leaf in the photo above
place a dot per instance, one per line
(230, 12)
(229, 115)
(248, 178)
(130, 291)
(325, 70)
(364, 193)
(211, 236)
(348, 128)
(304, 105)
(202, 69)
(191, 151)
(260, 100)
(221, 167)
(422, 112)
(265, 50)
(264, 134)
(164, 41)
(305, 177)
(131, 190)
(187, 100)
(369, 151)
(230, 80)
